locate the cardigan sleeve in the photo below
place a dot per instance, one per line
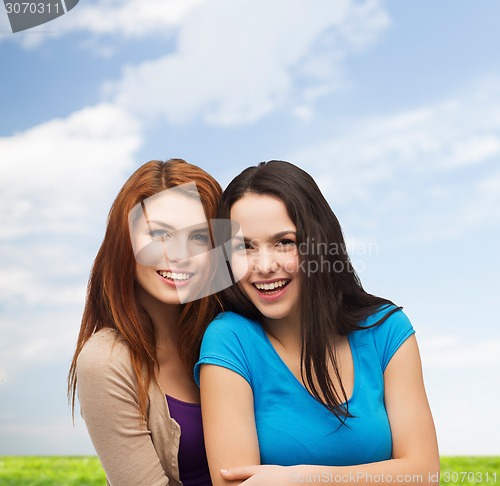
(109, 404)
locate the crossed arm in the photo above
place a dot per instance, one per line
(232, 444)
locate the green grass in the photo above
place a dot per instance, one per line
(87, 471)
(51, 470)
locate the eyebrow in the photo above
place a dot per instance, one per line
(162, 224)
(283, 233)
(276, 236)
(201, 227)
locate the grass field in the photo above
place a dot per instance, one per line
(51, 470)
(87, 471)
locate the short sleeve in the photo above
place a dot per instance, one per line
(391, 334)
(226, 343)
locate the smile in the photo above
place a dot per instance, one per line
(271, 287)
(175, 276)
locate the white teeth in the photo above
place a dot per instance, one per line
(174, 275)
(271, 286)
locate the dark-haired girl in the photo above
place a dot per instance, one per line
(307, 377)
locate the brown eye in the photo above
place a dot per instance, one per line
(285, 242)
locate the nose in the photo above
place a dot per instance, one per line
(176, 250)
(265, 262)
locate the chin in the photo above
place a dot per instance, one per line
(274, 315)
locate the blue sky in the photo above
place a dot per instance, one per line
(393, 107)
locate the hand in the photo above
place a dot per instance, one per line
(259, 475)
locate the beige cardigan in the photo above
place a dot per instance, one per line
(131, 452)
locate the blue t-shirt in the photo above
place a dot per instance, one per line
(292, 426)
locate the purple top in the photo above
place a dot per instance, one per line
(193, 465)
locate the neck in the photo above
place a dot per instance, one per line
(166, 320)
(286, 331)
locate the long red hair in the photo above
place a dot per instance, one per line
(111, 301)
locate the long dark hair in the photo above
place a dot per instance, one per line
(345, 303)
(111, 297)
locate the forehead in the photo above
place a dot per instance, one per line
(261, 215)
(178, 209)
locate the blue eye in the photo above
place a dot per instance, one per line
(200, 238)
(159, 233)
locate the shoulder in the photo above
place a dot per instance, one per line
(388, 327)
(230, 341)
(385, 318)
(104, 370)
(104, 349)
(230, 324)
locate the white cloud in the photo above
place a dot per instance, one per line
(446, 136)
(129, 18)
(464, 404)
(51, 174)
(4, 24)
(37, 336)
(132, 19)
(465, 414)
(239, 61)
(451, 353)
(461, 376)
(483, 208)
(23, 285)
(303, 112)
(423, 161)
(474, 150)
(57, 181)
(34, 437)
(233, 62)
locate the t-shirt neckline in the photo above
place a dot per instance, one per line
(355, 365)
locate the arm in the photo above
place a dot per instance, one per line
(415, 451)
(228, 421)
(109, 406)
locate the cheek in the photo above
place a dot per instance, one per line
(141, 275)
(201, 260)
(239, 266)
(139, 242)
(290, 262)
(204, 266)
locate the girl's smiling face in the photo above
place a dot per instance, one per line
(171, 243)
(269, 250)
